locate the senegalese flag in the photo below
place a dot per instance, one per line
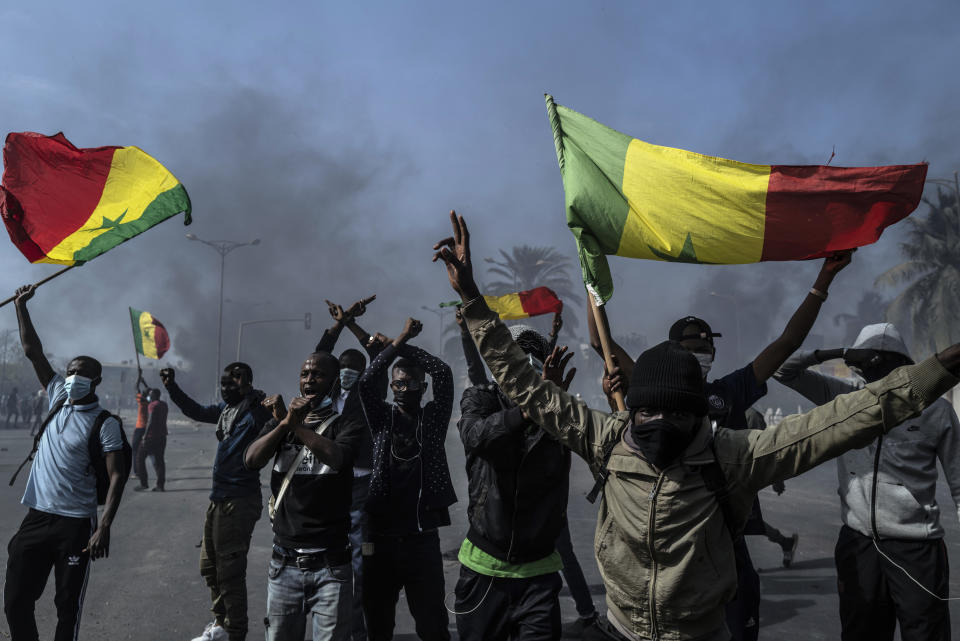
(533, 302)
(67, 205)
(626, 197)
(149, 334)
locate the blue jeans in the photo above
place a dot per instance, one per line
(358, 536)
(293, 594)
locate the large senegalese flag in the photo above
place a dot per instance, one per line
(149, 334)
(533, 302)
(67, 205)
(626, 197)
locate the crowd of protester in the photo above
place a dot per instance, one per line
(360, 483)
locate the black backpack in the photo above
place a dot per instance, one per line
(98, 464)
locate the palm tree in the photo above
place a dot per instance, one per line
(930, 304)
(526, 267)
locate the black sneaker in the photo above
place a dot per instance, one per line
(157, 489)
(575, 629)
(141, 488)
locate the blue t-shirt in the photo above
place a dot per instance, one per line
(729, 397)
(61, 480)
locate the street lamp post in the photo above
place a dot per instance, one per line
(222, 247)
(306, 325)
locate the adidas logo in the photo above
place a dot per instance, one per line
(73, 560)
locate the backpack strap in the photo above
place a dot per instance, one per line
(275, 504)
(603, 474)
(36, 439)
(716, 482)
(93, 441)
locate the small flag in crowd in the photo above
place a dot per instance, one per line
(534, 302)
(626, 197)
(149, 334)
(67, 205)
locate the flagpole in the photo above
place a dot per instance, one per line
(38, 283)
(136, 353)
(603, 329)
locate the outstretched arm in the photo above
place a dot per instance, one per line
(801, 442)
(774, 355)
(625, 362)
(32, 348)
(190, 408)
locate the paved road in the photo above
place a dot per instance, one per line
(150, 590)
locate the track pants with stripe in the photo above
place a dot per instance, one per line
(44, 542)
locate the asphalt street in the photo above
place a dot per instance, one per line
(149, 589)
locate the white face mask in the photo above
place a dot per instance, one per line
(706, 362)
(77, 386)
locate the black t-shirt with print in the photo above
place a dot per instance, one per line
(315, 510)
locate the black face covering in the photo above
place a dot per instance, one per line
(409, 400)
(231, 396)
(659, 441)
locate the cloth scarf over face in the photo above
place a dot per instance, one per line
(659, 442)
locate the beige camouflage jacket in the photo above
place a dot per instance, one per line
(663, 549)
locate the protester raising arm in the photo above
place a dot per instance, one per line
(583, 430)
(774, 355)
(190, 408)
(475, 369)
(346, 318)
(32, 348)
(555, 330)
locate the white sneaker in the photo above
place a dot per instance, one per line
(213, 632)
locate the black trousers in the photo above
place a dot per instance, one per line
(46, 541)
(154, 449)
(875, 595)
(412, 563)
(499, 609)
(743, 613)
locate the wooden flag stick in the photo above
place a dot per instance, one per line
(603, 329)
(38, 283)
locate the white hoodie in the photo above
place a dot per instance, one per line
(906, 503)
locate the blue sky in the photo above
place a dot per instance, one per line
(341, 134)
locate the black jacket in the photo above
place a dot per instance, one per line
(518, 478)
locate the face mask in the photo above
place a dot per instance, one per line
(706, 362)
(348, 377)
(408, 399)
(325, 403)
(77, 386)
(536, 362)
(231, 396)
(660, 441)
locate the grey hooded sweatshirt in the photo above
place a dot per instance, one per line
(907, 479)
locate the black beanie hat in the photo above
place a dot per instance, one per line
(667, 377)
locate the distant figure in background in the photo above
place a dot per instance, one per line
(38, 411)
(787, 543)
(154, 442)
(13, 408)
(140, 425)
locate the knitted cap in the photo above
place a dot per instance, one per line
(530, 341)
(667, 377)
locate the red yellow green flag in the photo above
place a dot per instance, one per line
(626, 197)
(149, 334)
(533, 302)
(66, 205)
